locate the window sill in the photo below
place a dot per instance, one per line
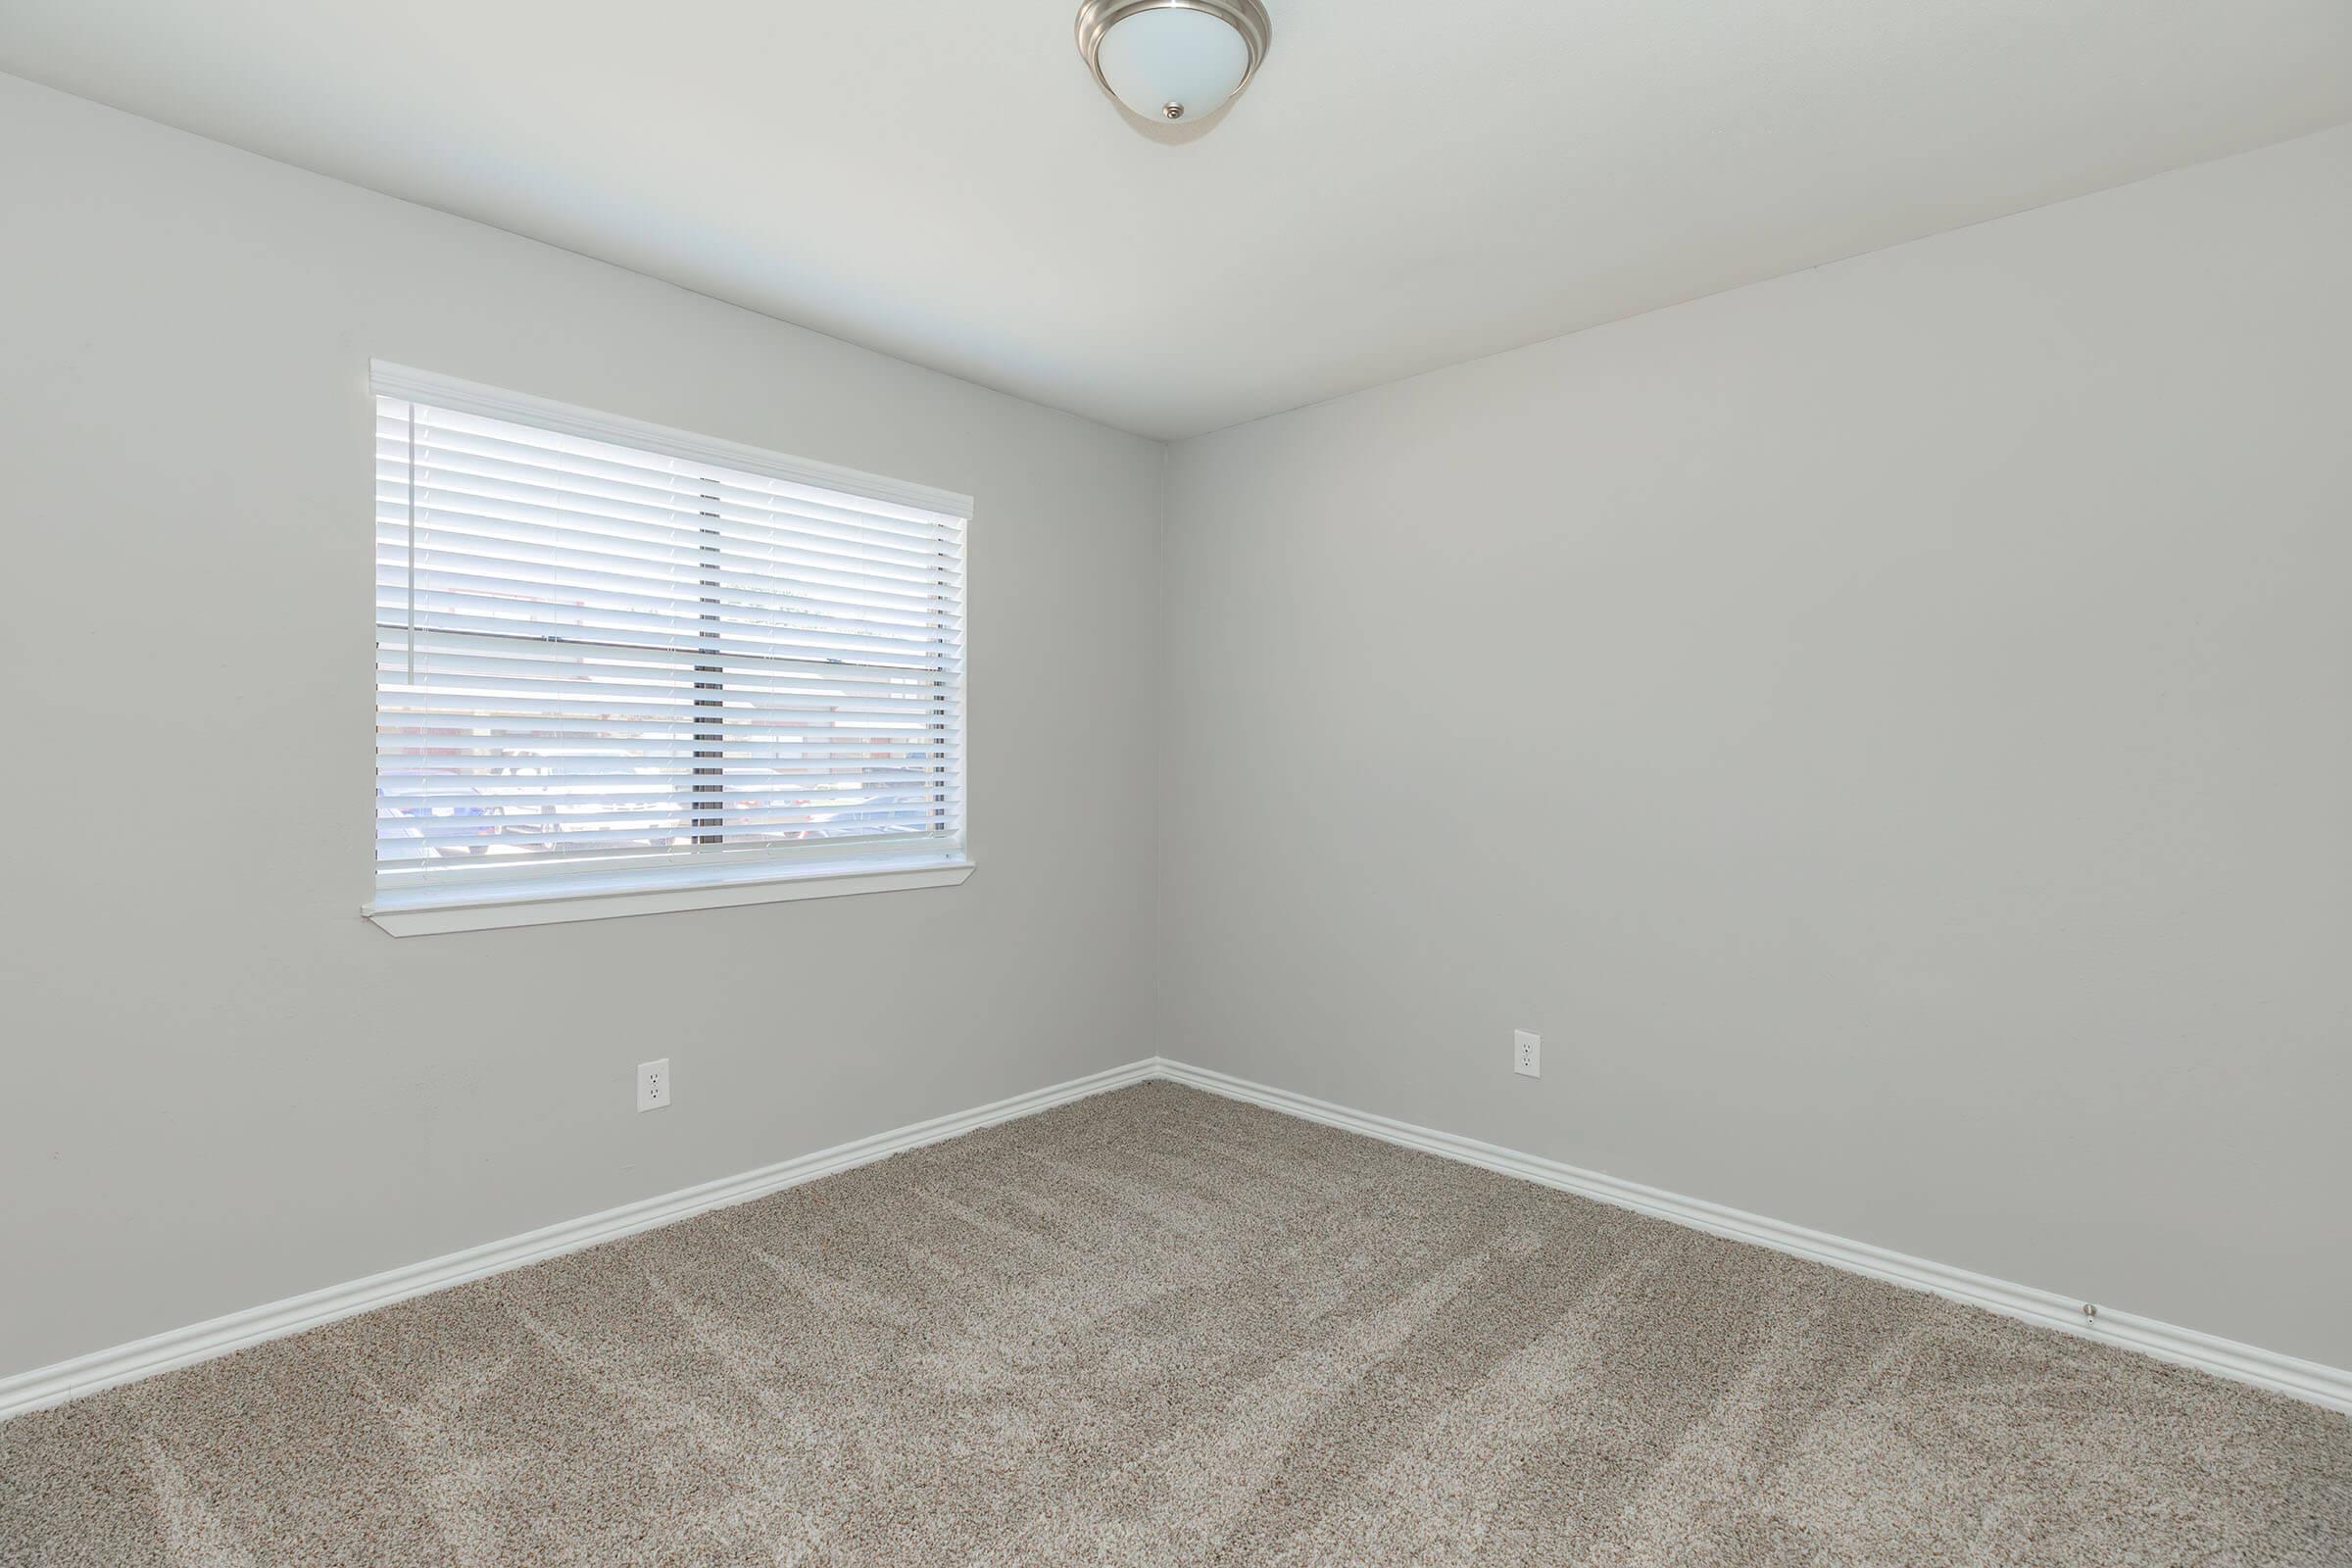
(430, 912)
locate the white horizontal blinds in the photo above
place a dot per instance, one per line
(591, 658)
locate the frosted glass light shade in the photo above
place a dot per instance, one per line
(1171, 59)
(1186, 59)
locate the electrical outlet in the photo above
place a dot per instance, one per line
(1527, 1054)
(653, 1084)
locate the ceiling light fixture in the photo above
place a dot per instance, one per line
(1173, 59)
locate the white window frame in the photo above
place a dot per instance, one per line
(427, 911)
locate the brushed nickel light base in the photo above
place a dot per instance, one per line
(1246, 16)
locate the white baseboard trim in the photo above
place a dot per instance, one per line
(126, 1363)
(2327, 1385)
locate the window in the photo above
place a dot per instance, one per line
(620, 668)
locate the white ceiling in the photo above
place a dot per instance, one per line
(1405, 185)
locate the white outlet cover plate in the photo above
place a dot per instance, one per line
(1527, 1054)
(653, 1084)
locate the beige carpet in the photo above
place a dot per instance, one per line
(1158, 1327)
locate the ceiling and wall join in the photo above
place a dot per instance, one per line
(1405, 185)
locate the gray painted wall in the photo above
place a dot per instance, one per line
(246, 1091)
(1887, 728)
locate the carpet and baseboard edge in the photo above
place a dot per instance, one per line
(2331, 1386)
(178, 1348)
(2327, 1385)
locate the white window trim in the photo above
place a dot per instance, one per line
(643, 894)
(492, 403)
(610, 896)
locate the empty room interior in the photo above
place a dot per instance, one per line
(1165, 782)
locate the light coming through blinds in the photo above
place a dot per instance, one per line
(599, 664)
